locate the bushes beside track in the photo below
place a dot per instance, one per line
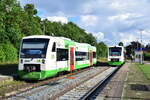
(8, 52)
(147, 56)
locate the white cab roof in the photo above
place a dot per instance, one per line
(38, 36)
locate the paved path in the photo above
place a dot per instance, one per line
(147, 62)
(114, 89)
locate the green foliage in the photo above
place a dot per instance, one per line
(29, 8)
(147, 56)
(101, 49)
(7, 52)
(132, 47)
(2, 54)
(120, 43)
(69, 30)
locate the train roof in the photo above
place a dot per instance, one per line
(46, 36)
(37, 36)
(115, 46)
(63, 38)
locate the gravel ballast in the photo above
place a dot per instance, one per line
(52, 89)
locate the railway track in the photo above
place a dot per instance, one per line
(52, 89)
(94, 92)
(90, 89)
(33, 84)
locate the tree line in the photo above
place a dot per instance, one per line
(17, 22)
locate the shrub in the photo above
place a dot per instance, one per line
(8, 53)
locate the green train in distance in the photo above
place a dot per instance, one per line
(116, 55)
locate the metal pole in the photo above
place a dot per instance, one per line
(141, 58)
(141, 30)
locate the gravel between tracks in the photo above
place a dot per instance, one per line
(52, 89)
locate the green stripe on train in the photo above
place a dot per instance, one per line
(40, 75)
(115, 63)
(46, 73)
(77, 66)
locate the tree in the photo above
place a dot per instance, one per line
(3, 35)
(11, 21)
(134, 45)
(30, 9)
(147, 46)
(31, 23)
(120, 44)
(101, 49)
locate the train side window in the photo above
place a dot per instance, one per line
(94, 54)
(80, 56)
(62, 54)
(87, 57)
(54, 47)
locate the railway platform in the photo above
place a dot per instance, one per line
(7, 72)
(5, 78)
(147, 62)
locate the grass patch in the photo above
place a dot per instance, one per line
(147, 54)
(7, 63)
(136, 78)
(103, 59)
(146, 70)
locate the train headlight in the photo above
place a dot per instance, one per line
(21, 61)
(43, 61)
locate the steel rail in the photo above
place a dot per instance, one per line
(98, 85)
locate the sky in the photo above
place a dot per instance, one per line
(110, 21)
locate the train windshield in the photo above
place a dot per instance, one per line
(34, 48)
(115, 51)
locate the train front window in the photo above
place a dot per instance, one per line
(34, 48)
(115, 51)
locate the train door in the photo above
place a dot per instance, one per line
(71, 57)
(53, 56)
(91, 57)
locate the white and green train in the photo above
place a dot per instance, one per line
(45, 56)
(116, 55)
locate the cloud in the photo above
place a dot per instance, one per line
(89, 20)
(126, 39)
(145, 36)
(145, 33)
(58, 19)
(99, 36)
(117, 20)
(123, 17)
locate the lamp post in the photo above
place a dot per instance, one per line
(141, 57)
(141, 30)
